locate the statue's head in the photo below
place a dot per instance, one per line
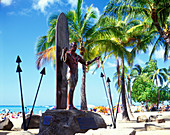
(72, 44)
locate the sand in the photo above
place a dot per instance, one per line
(122, 127)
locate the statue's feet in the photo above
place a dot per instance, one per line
(71, 108)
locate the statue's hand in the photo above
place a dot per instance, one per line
(65, 49)
(97, 58)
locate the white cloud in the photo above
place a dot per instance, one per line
(109, 64)
(97, 12)
(159, 54)
(43, 4)
(73, 3)
(25, 12)
(95, 9)
(139, 61)
(6, 2)
(92, 68)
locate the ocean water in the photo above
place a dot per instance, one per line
(18, 108)
(15, 108)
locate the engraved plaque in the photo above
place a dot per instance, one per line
(46, 120)
(87, 123)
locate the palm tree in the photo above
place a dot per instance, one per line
(127, 75)
(115, 37)
(80, 29)
(158, 11)
(136, 71)
(159, 76)
(127, 79)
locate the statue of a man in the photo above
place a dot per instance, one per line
(72, 59)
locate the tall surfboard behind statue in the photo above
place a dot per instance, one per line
(62, 41)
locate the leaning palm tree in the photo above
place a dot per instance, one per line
(156, 10)
(80, 28)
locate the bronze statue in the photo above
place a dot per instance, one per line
(72, 59)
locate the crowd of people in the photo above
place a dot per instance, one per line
(141, 108)
(10, 115)
(151, 107)
(16, 115)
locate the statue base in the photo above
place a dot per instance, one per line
(69, 122)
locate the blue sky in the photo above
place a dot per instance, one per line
(21, 23)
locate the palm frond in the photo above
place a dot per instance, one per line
(79, 13)
(45, 56)
(52, 18)
(41, 44)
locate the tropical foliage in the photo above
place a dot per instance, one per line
(115, 37)
(155, 13)
(149, 80)
(144, 90)
(164, 93)
(158, 76)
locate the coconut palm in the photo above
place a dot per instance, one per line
(136, 71)
(80, 29)
(156, 12)
(114, 37)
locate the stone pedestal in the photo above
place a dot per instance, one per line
(69, 122)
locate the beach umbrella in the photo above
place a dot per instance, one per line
(5, 110)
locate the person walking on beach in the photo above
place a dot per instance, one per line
(25, 110)
(163, 107)
(72, 59)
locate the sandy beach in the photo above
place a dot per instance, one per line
(122, 127)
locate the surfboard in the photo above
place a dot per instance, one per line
(62, 41)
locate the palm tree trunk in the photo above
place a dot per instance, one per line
(162, 33)
(118, 72)
(156, 23)
(157, 94)
(83, 89)
(125, 115)
(128, 107)
(129, 84)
